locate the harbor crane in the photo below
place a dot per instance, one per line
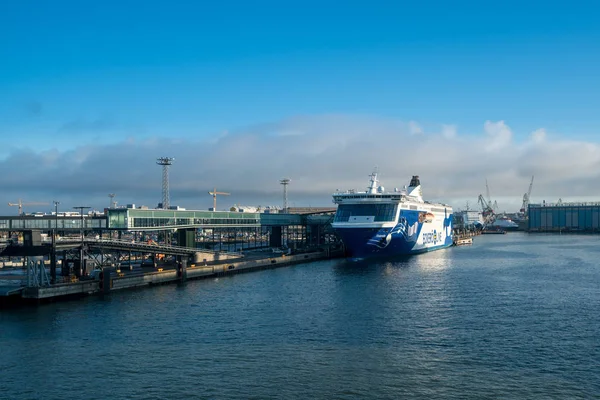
(526, 198)
(488, 213)
(21, 204)
(493, 206)
(214, 194)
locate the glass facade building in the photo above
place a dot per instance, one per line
(49, 222)
(133, 219)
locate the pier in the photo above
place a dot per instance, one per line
(32, 290)
(60, 257)
(461, 237)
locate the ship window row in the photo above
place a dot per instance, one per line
(371, 196)
(380, 212)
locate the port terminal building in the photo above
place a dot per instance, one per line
(187, 227)
(564, 217)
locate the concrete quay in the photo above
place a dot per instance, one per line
(112, 279)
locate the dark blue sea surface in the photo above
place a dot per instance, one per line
(512, 316)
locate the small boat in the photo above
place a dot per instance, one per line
(463, 241)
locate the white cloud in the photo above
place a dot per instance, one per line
(414, 128)
(449, 131)
(328, 152)
(538, 136)
(499, 135)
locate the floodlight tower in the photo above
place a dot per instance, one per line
(285, 182)
(165, 162)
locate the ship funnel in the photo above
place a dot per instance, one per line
(414, 189)
(414, 182)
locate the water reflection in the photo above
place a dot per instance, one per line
(433, 261)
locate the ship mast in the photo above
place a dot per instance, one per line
(372, 189)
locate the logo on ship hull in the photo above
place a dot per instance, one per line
(384, 237)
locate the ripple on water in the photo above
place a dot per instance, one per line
(512, 316)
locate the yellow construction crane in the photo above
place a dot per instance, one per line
(21, 204)
(214, 194)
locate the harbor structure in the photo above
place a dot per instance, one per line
(285, 182)
(130, 247)
(190, 227)
(564, 217)
(20, 204)
(165, 162)
(214, 194)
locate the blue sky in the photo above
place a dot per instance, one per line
(79, 80)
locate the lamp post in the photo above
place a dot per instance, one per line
(56, 203)
(53, 255)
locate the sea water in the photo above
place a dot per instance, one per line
(511, 316)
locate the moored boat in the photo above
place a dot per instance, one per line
(504, 223)
(380, 223)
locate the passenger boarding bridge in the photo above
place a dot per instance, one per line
(185, 222)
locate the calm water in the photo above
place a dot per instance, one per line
(512, 316)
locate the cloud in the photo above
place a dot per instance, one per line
(325, 153)
(539, 135)
(499, 135)
(449, 131)
(414, 128)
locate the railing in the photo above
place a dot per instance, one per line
(151, 246)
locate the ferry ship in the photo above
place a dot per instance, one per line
(380, 223)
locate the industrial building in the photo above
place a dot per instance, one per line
(564, 217)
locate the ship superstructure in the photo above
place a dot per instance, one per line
(380, 223)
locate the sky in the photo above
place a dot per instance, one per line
(242, 94)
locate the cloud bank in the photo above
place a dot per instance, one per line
(319, 154)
